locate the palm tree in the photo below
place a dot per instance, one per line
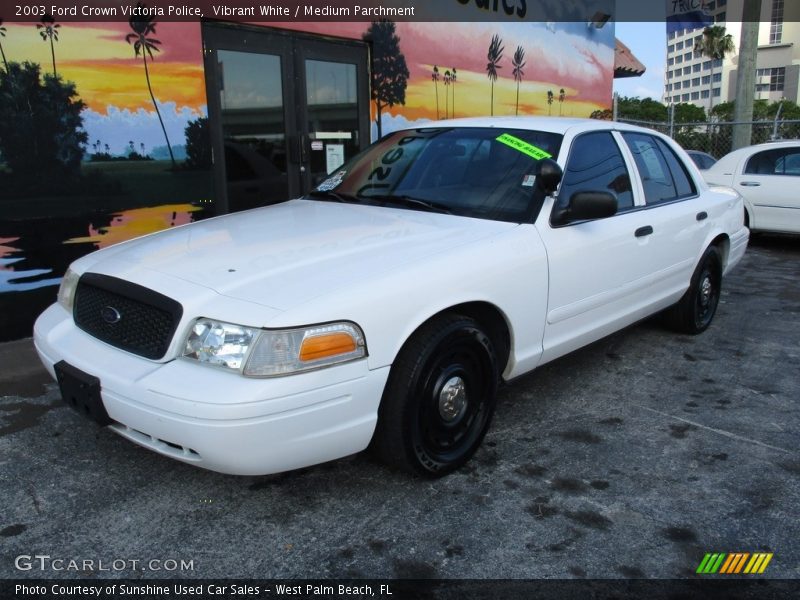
(49, 30)
(2, 35)
(518, 62)
(562, 95)
(550, 102)
(142, 27)
(435, 79)
(716, 45)
(108, 149)
(447, 79)
(453, 79)
(494, 56)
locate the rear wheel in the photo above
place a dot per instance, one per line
(439, 398)
(696, 309)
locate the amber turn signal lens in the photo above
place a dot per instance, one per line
(325, 345)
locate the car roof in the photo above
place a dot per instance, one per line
(730, 160)
(549, 124)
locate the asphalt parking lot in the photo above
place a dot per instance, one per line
(630, 458)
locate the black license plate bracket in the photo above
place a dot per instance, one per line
(81, 392)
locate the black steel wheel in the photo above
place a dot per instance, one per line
(696, 309)
(439, 399)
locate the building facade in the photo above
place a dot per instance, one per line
(694, 78)
(118, 129)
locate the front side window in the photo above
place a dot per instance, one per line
(595, 164)
(476, 172)
(663, 174)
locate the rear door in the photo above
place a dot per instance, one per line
(678, 215)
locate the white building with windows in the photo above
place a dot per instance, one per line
(694, 78)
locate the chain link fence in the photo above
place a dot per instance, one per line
(715, 138)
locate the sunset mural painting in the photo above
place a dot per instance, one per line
(88, 164)
(140, 130)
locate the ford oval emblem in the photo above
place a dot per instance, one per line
(110, 315)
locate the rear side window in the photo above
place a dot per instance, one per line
(664, 176)
(595, 164)
(780, 161)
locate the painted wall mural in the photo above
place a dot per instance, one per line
(103, 137)
(104, 132)
(476, 69)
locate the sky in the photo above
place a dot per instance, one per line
(648, 42)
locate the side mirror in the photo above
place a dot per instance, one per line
(586, 206)
(548, 175)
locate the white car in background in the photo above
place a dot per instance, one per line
(385, 307)
(768, 178)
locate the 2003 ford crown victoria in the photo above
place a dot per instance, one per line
(385, 307)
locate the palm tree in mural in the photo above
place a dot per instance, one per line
(143, 26)
(494, 56)
(453, 79)
(2, 35)
(48, 29)
(448, 78)
(435, 79)
(549, 102)
(562, 95)
(716, 45)
(518, 62)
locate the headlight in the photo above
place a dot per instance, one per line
(268, 353)
(66, 291)
(218, 343)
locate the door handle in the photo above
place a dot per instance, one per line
(750, 183)
(643, 231)
(702, 216)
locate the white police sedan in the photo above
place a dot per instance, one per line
(384, 308)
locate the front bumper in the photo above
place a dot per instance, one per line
(218, 420)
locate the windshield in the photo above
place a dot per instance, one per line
(486, 172)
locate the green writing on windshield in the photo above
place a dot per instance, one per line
(523, 146)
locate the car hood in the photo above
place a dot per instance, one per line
(283, 255)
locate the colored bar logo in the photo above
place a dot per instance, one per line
(734, 563)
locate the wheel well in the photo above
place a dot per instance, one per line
(493, 322)
(746, 218)
(723, 244)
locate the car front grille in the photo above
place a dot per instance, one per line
(126, 315)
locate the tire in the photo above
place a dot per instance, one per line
(439, 398)
(694, 312)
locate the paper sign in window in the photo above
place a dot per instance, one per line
(334, 156)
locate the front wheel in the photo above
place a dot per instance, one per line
(696, 309)
(439, 398)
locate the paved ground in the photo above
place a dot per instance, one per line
(630, 458)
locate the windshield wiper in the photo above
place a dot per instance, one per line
(333, 196)
(403, 200)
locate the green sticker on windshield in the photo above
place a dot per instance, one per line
(523, 146)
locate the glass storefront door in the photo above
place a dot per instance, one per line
(285, 110)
